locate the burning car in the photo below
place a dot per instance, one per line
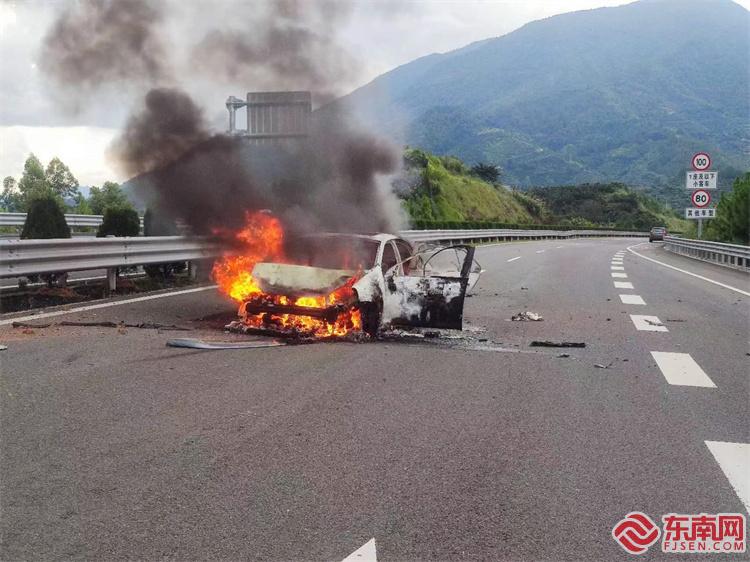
(331, 285)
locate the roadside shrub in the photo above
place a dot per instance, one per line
(119, 221)
(415, 158)
(454, 164)
(45, 219)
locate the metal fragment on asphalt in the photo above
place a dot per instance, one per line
(527, 316)
(557, 344)
(202, 344)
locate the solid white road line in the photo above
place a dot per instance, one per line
(514, 259)
(617, 268)
(632, 299)
(102, 305)
(623, 285)
(734, 460)
(365, 553)
(648, 323)
(681, 369)
(619, 275)
(735, 289)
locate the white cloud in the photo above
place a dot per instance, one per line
(81, 148)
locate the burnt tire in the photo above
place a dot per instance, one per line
(370, 313)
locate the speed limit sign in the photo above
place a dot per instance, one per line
(701, 162)
(701, 198)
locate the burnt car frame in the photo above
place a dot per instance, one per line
(401, 285)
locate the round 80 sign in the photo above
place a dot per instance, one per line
(701, 198)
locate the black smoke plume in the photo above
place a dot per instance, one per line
(332, 181)
(292, 47)
(95, 42)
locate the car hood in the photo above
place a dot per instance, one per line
(299, 280)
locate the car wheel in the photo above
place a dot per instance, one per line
(370, 313)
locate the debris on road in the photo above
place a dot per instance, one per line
(564, 355)
(557, 344)
(527, 316)
(28, 325)
(600, 366)
(3, 347)
(652, 323)
(202, 344)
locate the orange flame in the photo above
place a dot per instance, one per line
(262, 240)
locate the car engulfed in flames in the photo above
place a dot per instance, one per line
(341, 285)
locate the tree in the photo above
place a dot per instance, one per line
(11, 200)
(45, 219)
(488, 172)
(109, 195)
(81, 206)
(60, 179)
(119, 221)
(33, 181)
(732, 222)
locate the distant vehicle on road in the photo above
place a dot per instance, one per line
(657, 233)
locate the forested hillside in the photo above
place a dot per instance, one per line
(622, 94)
(443, 189)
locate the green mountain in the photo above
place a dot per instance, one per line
(442, 192)
(622, 94)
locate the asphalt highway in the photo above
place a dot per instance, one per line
(481, 448)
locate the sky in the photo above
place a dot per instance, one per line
(378, 35)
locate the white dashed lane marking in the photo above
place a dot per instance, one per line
(52, 314)
(540, 251)
(623, 285)
(648, 323)
(619, 275)
(365, 553)
(514, 259)
(617, 268)
(734, 460)
(632, 299)
(681, 369)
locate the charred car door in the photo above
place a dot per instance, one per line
(429, 288)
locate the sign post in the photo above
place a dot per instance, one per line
(700, 179)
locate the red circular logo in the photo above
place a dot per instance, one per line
(636, 533)
(701, 162)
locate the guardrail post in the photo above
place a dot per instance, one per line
(192, 270)
(111, 279)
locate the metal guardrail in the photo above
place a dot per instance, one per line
(17, 219)
(487, 235)
(31, 257)
(727, 255)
